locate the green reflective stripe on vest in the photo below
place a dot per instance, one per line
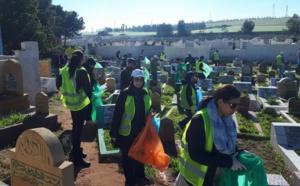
(279, 60)
(191, 170)
(129, 112)
(216, 56)
(198, 63)
(183, 101)
(70, 98)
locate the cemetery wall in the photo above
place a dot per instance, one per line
(110, 51)
(248, 51)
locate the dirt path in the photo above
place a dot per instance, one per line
(98, 174)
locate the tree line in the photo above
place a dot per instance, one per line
(36, 20)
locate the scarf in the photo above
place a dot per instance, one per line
(224, 130)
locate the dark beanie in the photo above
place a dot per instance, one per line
(188, 76)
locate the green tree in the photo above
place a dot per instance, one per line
(224, 28)
(181, 31)
(72, 25)
(248, 27)
(19, 22)
(293, 25)
(164, 30)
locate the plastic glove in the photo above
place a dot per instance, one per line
(236, 165)
(193, 108)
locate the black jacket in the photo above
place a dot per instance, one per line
(196, 140)
(138, 121)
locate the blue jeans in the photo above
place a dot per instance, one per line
(280, 71)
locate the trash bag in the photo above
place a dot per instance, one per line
(156, 123)
(96, 99)
(254, 175)
(198, 98)
(148, 149)
(146, 61)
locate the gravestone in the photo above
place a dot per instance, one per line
(246, 70)
(13, 77)
(235, 69)
(243, 106)
(166, 134)
(230, 73)
(156, 102)
(237, 62)
(261, 79)
(290, 75)
(272, 74)
(246, 79)
(246, 86)
(274, 66)
(287, 88)
(164, 78)
(48, 85)
(214, 75)
(45, 69)
(267, 92)
(292, 136)
(110, 84)
(177, 87)
(226, 79)
(219, 68)
(263, 67)
(294, 105)
(297, 70)
(39, 159)
(205, 83)
(115, 73)
(274, 81)
(104, 115)
(42, 104)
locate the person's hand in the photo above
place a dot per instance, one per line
(236, 165)
(193, 109)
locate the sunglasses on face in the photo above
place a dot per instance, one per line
(138, 79)
(232, 105)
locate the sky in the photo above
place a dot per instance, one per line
(98, 14)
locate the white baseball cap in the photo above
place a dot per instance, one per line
(137, 73)
(155, 56)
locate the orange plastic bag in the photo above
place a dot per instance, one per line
(148, 149)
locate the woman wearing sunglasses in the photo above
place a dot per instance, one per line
(209, 139)
(131, 110)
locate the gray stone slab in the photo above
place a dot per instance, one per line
(276, 179)
(174, 99)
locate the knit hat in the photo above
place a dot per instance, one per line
(137, 73)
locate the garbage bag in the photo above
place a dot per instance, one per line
(253, 176)
(96, 99)
(198, 98)
(147, 147)
(156, 123)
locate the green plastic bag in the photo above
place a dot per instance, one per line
(96, 99)
(253, 176)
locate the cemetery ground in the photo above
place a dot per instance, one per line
(110, 171)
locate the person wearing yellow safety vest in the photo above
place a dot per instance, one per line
(199, 68)
(75, 87)
(216, 58)
(280, 64)
(162, 57)
(131, 110)
(209, 139)
(188, 97)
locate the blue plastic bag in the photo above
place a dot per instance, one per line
(156, 123)
(198, 98)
